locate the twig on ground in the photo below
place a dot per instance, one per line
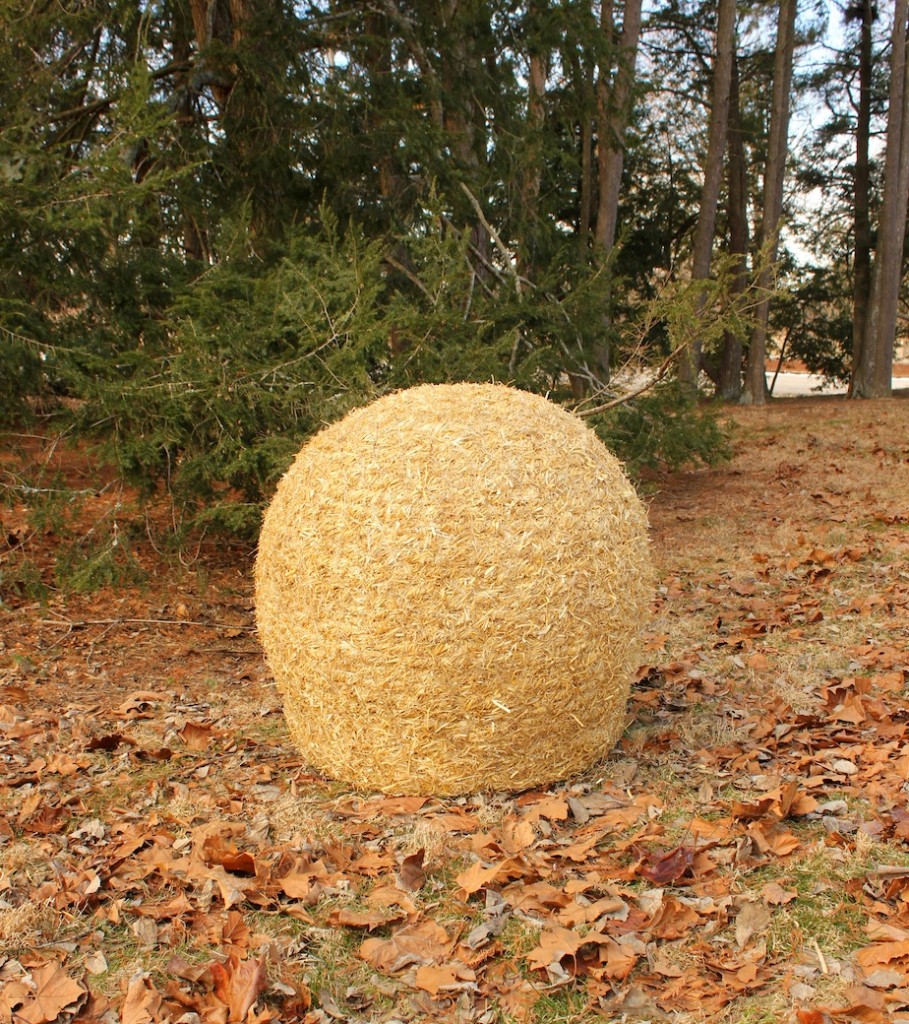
(81, 623)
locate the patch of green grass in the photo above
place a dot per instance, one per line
(822, 915)
(277, 924)
(563, 1006)
(331, 963)
(125, 955)
(518, 938)
(129, 786)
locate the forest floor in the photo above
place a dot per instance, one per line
(741, 856)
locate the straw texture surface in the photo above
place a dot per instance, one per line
(450, 589)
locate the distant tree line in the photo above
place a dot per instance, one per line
(226, 222)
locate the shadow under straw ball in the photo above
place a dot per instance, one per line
(450, 590)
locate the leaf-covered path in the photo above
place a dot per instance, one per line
(741, 856)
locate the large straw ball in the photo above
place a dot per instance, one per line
(451, 585)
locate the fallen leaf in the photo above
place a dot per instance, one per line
(553, 808)
(109, 742)
(752, 919)
(885, 979)
(218, 851)
(393, 806)
(774, 894)
(445, 978)
(411, 874)
(369, 919)
(882, 953)
(139, 700)
(142, 1002)
(553, 944)
(423, 942)
(54, 991)
(238, 984)
(95, 962)
(813, 1017)
(667, 867)
(673, 920)
(478, 876)
(197, 737)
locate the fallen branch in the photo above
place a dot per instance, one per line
(661, 372)
(82, 623)
(494, 235)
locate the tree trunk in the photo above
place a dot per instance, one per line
(378, 61)
(195, 243)
(464, 125)
(256, 155)
(774, 176)
(861, 220)
(729, 382)
(531, 177)
(874, 369)
(585, 190)
(690, 359)
(613, 113)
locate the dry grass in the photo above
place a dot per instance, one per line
(27, 926)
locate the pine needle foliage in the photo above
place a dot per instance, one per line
(258, 357)
(219, 234)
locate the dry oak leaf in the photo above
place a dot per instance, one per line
(574, 913)
(419, 943)
(813, 1017)
(142, 1002)
(369, 919)
(478, 876)
(553, 808)
(453, 821)
(752, 919)
(139, 700)
(785, 802)
(773, 840)
(218, 851)
(305, 881)
(867, 1006)
(882, 953)
(554, 944)
(52, 992)
(673, 920)
(231, 888)
(518, 999)
(234, 934)
(449, 977)
(667, 867)
(776, 896)
(238, 984)
(617, 959)
(537, 897)
(632, 1003)
(411, 873)
(584, 849)
(391, 896)
(12, 995)
(693, 992)
(391, 806)
(518, 836)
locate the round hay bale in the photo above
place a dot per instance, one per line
(450, 586)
